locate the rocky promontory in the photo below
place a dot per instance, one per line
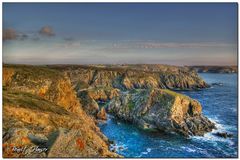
(161, 109)
(41, 110)
(215, 69)
(57, 107)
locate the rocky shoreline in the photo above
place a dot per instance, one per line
(215, 69)
(61, 105)
(40, 105)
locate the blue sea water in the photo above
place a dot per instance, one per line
(219, 105)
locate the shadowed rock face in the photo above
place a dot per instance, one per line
(89, 98)
(161, 109)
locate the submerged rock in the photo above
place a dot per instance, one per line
(224, 134)
(217, 84)
(161, 109)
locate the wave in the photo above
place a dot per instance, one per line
(220, 127)
(211, 138)
(188, 149)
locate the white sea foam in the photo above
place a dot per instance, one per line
(149, 149)
(233, 109)
(188, 149)
(211, 138)
(145, 152)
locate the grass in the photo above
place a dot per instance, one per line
(175, 94)
(29, 101)
(34, 72)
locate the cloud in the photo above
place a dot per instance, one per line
(181, 45)
(12, 34)
(9, 34)
(47, 31)
(158, 45)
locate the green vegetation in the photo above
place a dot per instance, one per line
(34, 72)
(81, 85)
(84, 97)
(29, 101)
(131, 104)
(165, 99)
(175, 94)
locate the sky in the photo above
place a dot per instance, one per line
(117, 33)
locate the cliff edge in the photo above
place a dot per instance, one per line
(41, 110)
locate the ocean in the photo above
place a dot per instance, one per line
(219, 104)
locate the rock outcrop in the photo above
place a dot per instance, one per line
(161, 109)
(102, 114)
(38, 105)
(90, 98)
(224, 134)
(133, 77)
(215, 69)
(101, 83)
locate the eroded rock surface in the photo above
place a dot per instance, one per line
(161, 109)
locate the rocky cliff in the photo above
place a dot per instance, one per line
(215, 69)
(133, 77)
(90, 98)
(161, 109)
(57, 107)
(41, 110)
(94, 83)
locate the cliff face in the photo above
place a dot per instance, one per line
(103, 82)
(43, 82)
(125, 77)
(90, 97)
(40, 108)
(162, 110)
